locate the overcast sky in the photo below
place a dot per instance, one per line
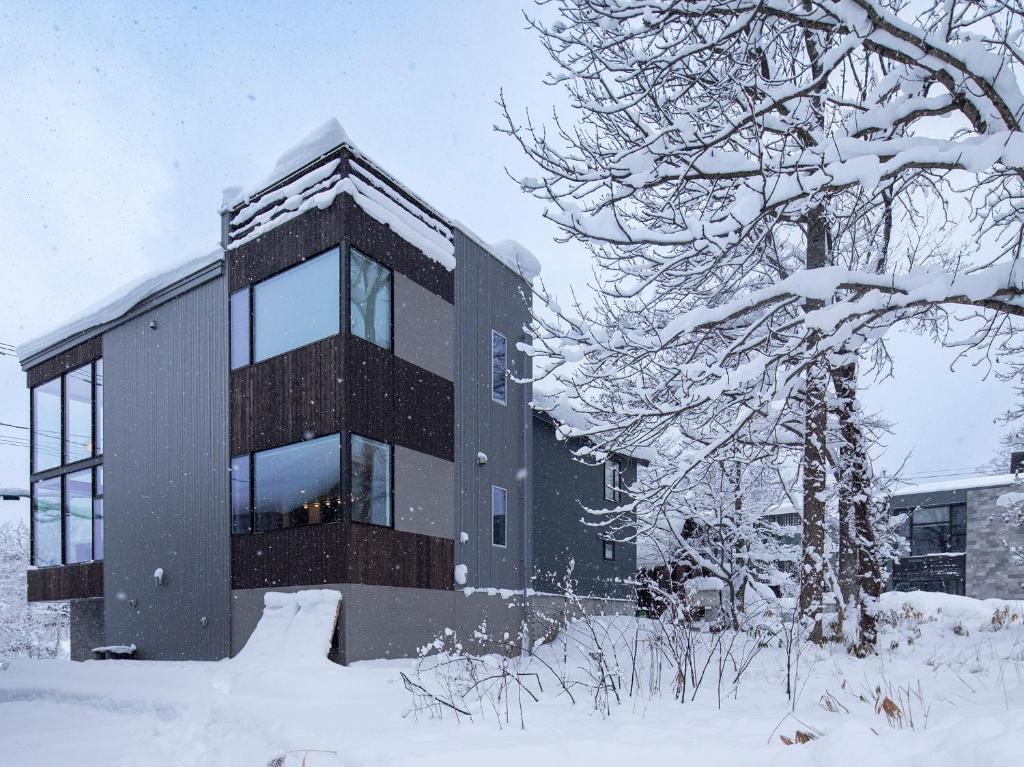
(121, 124)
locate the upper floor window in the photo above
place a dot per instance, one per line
(609, 551)
(370, 465)
(613, 480)
(789, 519)
(499, 516)
(67, 418)
(499, 368)
(370, 291)
(78, 526)
(78, 414)
(938, 530)
(46, 425)
(295, 307)
(241, 336)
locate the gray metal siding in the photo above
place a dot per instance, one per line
(488, 296)
(562, 488)
(166, 480)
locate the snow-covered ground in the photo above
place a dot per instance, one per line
(953, 673)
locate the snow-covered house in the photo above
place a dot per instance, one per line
(960, 539)
(325, 399)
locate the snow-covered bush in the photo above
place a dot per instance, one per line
(26, 630)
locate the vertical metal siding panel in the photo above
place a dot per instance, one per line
(487, 296)
(166, 478)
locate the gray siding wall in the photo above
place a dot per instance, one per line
(424, 328)
(993, 572)
(562, 488)
(165, 478)
(489, 296)
(424, 493)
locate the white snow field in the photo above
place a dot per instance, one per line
(951, 667)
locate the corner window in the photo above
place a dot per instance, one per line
(46, 426)
(241, 492)
(499, 516)
(46, 522)
(371, 481)
(78, 501)
(78, 391)
(298, 484)
(97, 513)
(499, 368)
(613, 480)
(296, 307)
(240, 310)
(609, 551)
(97, 385)
(370, 291)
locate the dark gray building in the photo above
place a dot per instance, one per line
(325, 400)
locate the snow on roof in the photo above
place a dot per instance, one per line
(118, 303)
(968, 483)
(321, 186)
(13, 492)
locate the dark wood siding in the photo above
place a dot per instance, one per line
(343, 552)
(287, 398)
(58, 584)
(69, 359)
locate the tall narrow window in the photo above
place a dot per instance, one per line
(612, 480)
(97, 513)
(46, 522)
(499, 516)
(78, 517)
(499, 368)
(78, 414)
(298, 484)
(296, 307)
(240, 356)
(46, 425)
(241, 516)
(609, 551)
(370, 289)
(97, 385)
(371, 481)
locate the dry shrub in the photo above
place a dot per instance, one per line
(799, 738)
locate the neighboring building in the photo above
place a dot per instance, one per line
(325, 400)
(960, 542)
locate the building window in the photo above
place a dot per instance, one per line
(46, 425)
(499, 368)
(296, 307)
(97, 513)
(241, 492)
(241, 352)
(613, 480)
(97, 385)
(78, 414)
(298, 484)
(46, 522)
(789, 519)
(609, 551)
(938, 530)
(78, 521)
(499, 516)
(371, 481)
(370, 290)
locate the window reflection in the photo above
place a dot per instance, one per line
(46, 427)
(78, 502)
(46, 522)
(78, 414)
(370, 287)
(298, 484)
(371, 481)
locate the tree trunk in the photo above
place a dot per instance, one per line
(851, 480)
(814, 453)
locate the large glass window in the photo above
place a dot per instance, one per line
(46, 522)
(240, 328)
(78, 414)
(46, 425)
(371, 481)
(499, 516)
(298, 484)
(938, 530)
(78, 516)
(499, 368)
(370, 290)
(241, 517)
(97, 514)
(97, 384)
(297, 306)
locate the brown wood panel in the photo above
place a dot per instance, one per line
(288, 398)
(56, 584)
(76, 356)
(342, 552)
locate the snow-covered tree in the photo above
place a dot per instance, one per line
(26, 630)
